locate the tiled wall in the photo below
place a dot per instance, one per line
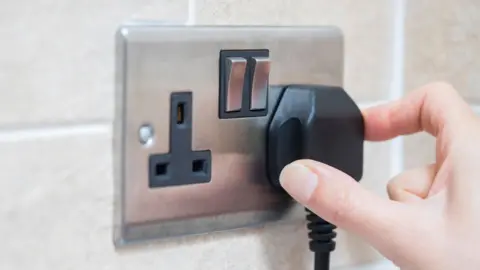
(56, 108)
(441, 43)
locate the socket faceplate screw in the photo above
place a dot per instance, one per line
(145, 134)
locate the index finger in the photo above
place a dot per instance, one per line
(432, 108)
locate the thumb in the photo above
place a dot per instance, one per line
(340, 200)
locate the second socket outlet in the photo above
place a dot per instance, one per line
(182, 165)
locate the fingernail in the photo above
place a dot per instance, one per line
(299, 181)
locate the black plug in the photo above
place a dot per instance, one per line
(324, 124)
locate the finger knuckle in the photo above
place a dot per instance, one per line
(442, 86)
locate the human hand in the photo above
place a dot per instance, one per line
(432, 220)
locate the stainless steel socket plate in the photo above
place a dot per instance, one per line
(154, 61)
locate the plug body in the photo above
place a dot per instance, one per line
(324, 124)
(315, 122)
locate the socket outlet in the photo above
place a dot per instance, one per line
(181, 166)
(192, 108)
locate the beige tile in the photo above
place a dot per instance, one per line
(57, 57)
(441, 43)
(367, 28)
(56, 212)
(419, 150)
(55, 201)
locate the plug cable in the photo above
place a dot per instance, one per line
(321, 240)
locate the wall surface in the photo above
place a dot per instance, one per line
(441, 43)
(56, 109)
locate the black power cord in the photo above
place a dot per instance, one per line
(320, 123)
(321, 240)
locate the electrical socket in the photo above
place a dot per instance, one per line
(230, 78)
(181, 166)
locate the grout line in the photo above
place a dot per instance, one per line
(53, 125)
(191, 12)
(18, 134)
(398, 50)
(476, 109)
(397, 83)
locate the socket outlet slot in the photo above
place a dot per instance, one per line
(181, 166)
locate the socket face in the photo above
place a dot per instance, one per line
(156, 62)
